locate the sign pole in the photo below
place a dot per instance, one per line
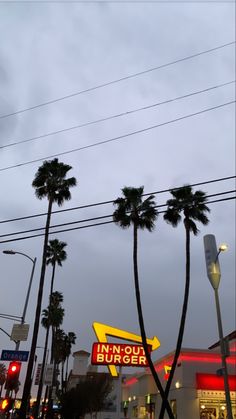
(118, 393)
(27, 300)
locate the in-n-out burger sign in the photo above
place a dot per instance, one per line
(119, 354)
(111, 354)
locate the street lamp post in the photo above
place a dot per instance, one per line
(214, 275)
(13, 252)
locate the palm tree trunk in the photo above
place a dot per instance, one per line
(42, 375)
(28, 379)
(49, 414)
(67, 365)
(62, 376)
(52, 280)
(45, 396)
(50, 388)
(141, 324)
(182, 321)
(52, 344)
(66, 374)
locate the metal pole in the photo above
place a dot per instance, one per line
(223, 357)
(27, 295)
(118, 393)
(214, 275)
(4, 331)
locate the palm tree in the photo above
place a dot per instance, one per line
(51, 317)
(69, 340)
(55, 256)
(50, 182)
(193, 207)
(141, 214)
(58, 340)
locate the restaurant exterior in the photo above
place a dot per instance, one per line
(197, 390)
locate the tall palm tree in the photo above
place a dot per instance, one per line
(141, 214)
(69, 340)
(192, 206)
(55, 255)
(50, 182)
(58, 340)
(52, 317)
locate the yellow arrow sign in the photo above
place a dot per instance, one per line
(167, 369)
(103, 330)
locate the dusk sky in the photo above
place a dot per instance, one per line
(99, 64)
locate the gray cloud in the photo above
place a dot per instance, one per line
(54, 50)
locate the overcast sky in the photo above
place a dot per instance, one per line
(52, 50)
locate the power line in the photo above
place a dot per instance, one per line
(93, 218)
(85, 220)
(90, 225)
(90, 89)
(115, 1)
(114, 116)
(120, 137)
(111, 201)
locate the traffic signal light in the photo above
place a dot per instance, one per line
(13, 375)
(6, 404)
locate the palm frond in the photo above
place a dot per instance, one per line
(192, 205)
(132, 209)
(50, 181)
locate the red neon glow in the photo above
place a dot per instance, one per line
(214, 382)
(209, 358)
(131, 381)
(232, 347)
(196, 357)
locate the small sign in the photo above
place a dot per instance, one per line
(119, 354)
(167, 369)
(37, 375)
(19, 332)
(49, 375)
(8, 355)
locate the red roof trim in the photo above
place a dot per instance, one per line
(204, 357)
(214, 382)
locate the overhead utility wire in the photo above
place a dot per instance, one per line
(114, 1)
(94, 218)
(90, 89)
(38, 137)
(120, 137)
(91, 225)
(9, 316)
(111, 201)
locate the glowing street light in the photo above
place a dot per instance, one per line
(214, 275)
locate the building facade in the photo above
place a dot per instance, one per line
(197, 390)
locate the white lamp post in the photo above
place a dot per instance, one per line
(13, 252)
(214, 275)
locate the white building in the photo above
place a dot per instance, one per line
(197, 390)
